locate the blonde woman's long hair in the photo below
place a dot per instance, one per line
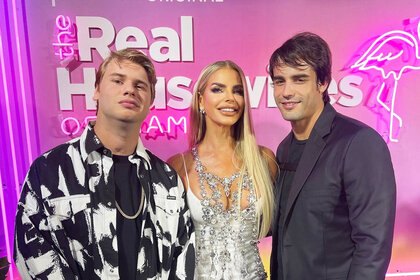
(246, 149)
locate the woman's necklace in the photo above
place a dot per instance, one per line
(212, 179)
(218, 222)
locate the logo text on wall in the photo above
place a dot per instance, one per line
(166, 45)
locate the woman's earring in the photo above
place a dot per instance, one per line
(202, 111)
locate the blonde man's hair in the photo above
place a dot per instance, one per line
(246, 150)
(134, 56)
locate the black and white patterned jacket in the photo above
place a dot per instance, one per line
(66, 217)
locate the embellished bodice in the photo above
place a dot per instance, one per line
(226, 239)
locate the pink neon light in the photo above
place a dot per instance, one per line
(78, 125)
(5, 228)
(9, 119)
(60, 22)
(87, 120)
(402, 274)
(170, 119)
(23, 93)
(182, 119)
(12, 144)
(378, 55)
(65, 37)
(159, 126)
(154, 124)
(64, 129)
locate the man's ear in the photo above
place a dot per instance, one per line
(96, 94)
(322, 87)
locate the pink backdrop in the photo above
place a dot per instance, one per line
(246, 32)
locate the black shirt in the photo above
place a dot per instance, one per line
(295, 153)
(128, 197)
(288, 169)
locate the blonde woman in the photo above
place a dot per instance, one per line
(227, 176)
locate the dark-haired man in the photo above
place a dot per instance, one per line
(102, 206)
(336, 193)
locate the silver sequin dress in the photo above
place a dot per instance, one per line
(226, 240)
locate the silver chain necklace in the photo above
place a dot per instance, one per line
(138, 211)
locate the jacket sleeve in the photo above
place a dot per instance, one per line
(183, 265)
(369, 182)
(36, 253)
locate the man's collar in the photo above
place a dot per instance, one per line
(141, 151)
(93, 143)
(323, 125)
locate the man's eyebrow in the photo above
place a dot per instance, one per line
(118, 75)
(278, 78)
(138, 81)
(298, 76)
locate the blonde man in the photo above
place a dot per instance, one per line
(102, 206)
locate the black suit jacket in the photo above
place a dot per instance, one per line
(340, 211)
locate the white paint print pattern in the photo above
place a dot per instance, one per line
(66, 217)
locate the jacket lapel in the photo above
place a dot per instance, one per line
(282, 156)
(313, 149)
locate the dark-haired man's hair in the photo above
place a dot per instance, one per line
(306, 49)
